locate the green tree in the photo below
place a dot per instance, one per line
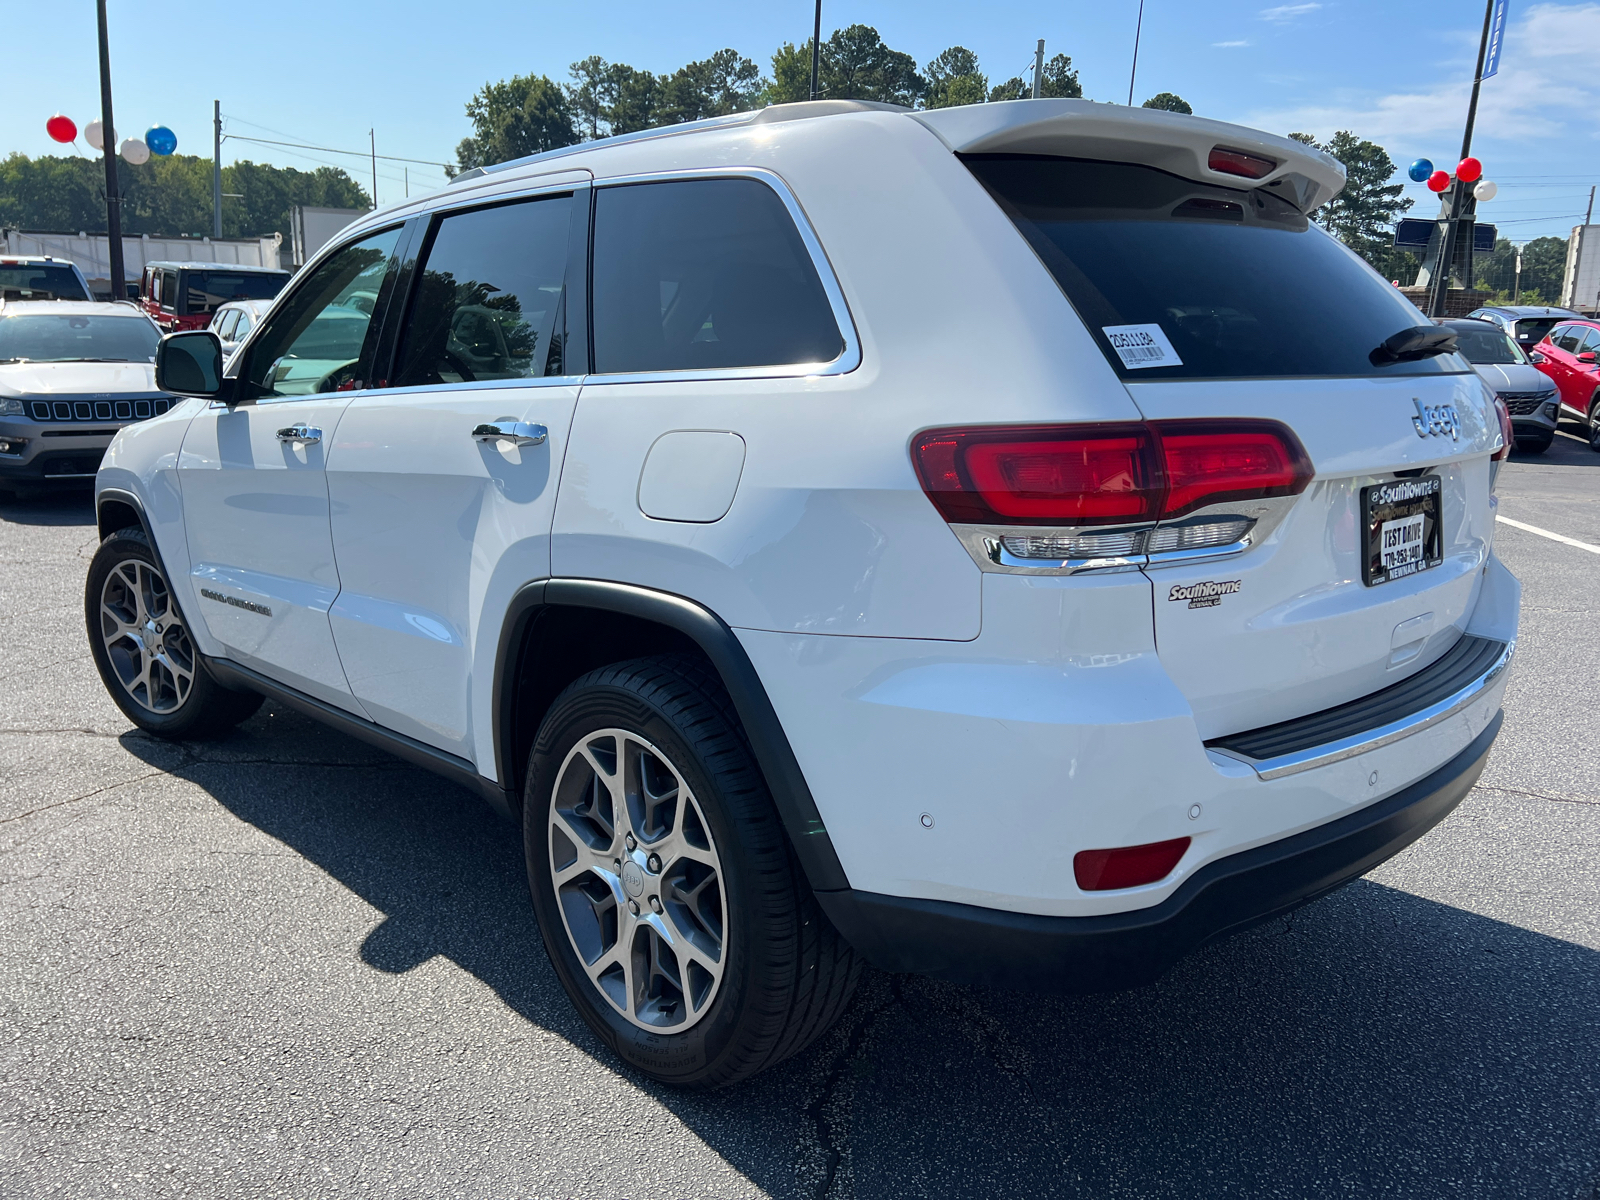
(1363, 214)
(1060, 81)
(1015, 88)
(856, 65)
(1168, 101)
(636, 100)
(590, 94)
(727, 82)
(791, 74)
(526, 114)
(953, 78)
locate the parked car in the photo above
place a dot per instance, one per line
(41, 278)
(919, 537)
(234, 320)
(71, 375)
(1531, 399)
(1567, 356)
(185, 295)
(1526, 323)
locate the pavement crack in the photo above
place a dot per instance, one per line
(110, 787)
(1540, 795)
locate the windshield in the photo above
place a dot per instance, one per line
(207, 289)
(1485, 344)
(45, 282)
(1182, 280)
(76, 337)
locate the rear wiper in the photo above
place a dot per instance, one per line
(1410, 345)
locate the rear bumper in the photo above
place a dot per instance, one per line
(969, 944)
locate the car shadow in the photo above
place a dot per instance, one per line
(1374, 1042)
(68, 507)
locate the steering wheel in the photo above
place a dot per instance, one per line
(340, 379)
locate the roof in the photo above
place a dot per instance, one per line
(211, 266)
(1529, 310)
(11, 260)
(67, 308)
(254, 305)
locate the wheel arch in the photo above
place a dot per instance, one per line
(116, 509)
(540, 652)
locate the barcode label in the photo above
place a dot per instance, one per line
(1141, 346)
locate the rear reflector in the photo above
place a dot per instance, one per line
(1127, 866)
(1507, 436)
(1237, 162)
(1123, 474)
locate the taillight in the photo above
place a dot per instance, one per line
(1123, 474)
(1127, 866)
(1237, 162)
(1507, 435)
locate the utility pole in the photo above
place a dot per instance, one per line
(408, 181)
(1038, 70)
(1516, 286)
(108, 142)
(373, 137)
(1137, 30)
(216, 169)
(1441, 281)
(1577, 258)
(816, 53)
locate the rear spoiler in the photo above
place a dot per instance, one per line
(1189, 147)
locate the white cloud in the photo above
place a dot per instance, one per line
(1287, 12)
(1226, 45)
(1547, 86)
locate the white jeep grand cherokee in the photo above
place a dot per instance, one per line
(1011, 543)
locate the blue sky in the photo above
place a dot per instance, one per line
(1396, 72)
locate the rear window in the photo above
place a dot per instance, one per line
(1531, 331)
(1183, 280)
(41, 283)
(208, 289)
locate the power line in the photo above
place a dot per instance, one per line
(426, 162)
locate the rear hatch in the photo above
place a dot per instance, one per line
(1219, 303)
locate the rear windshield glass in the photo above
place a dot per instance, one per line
(41, 283)
(1182, 280)
(76, 337)
(1484, 343)
(1531, 332)
(208, 289)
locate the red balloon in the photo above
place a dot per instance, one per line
(1438, 181)
(62, 129)
(1469, 170)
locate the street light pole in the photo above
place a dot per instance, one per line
(816, 52)
(216, 169)
(108, 143)
(1038, 70)
(1441, 280)
(1134, 70)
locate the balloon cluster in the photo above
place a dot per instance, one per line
(1468, 170)
(158, 139)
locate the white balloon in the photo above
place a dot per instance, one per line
(1487, 189)
(91, 134)
(135, 151)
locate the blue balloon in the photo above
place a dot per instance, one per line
(1420, 170)
(162, 140)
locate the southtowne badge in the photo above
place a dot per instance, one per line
(1205, 595)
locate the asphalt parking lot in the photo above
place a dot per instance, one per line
(286, 965)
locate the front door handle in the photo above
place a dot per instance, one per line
(519, 432)
(300, 433)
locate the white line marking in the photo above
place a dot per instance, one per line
(1554, 537)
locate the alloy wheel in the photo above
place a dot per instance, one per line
(145, 640)
(638, 880)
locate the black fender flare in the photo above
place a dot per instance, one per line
(797, 808)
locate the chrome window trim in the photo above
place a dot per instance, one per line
(1373, 739)
(849, 358)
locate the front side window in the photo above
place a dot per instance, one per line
(1184, 280)
(490, 298)
(1566, 337)
(1589, 343)
(223, 323)
(318, 340)
(704, 274)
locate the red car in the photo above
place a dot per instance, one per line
(184, 295)
(1568, 356)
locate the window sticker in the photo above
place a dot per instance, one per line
(1141, 346)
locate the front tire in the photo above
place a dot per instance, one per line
(141, 646)
(670, 903)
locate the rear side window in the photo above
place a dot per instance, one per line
(701, 275)
(490, 300)
(169, 290)
(1182, 280)
(1566, 337)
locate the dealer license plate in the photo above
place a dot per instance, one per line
(1403, 534)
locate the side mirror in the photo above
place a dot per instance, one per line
(1535, 357)
(190, 364)
(1586, 357)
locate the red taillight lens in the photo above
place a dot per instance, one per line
(1127, 866)
(1506, 433)
(1237, 162)
(1126, 474)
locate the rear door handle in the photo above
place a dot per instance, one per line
(300, 433)
(519, 432)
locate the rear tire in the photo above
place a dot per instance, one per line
(141, 646)
(670, 902)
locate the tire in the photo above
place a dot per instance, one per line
(735, 968)
(1593, 430)
(141, 646)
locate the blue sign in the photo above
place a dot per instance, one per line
(1497, 38)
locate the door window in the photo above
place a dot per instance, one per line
(243, 327)
(1590, 342)
(224, 322)
(704, 274)
(1565, 337)
(321, 339)
(169, 290)
(489, 301)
